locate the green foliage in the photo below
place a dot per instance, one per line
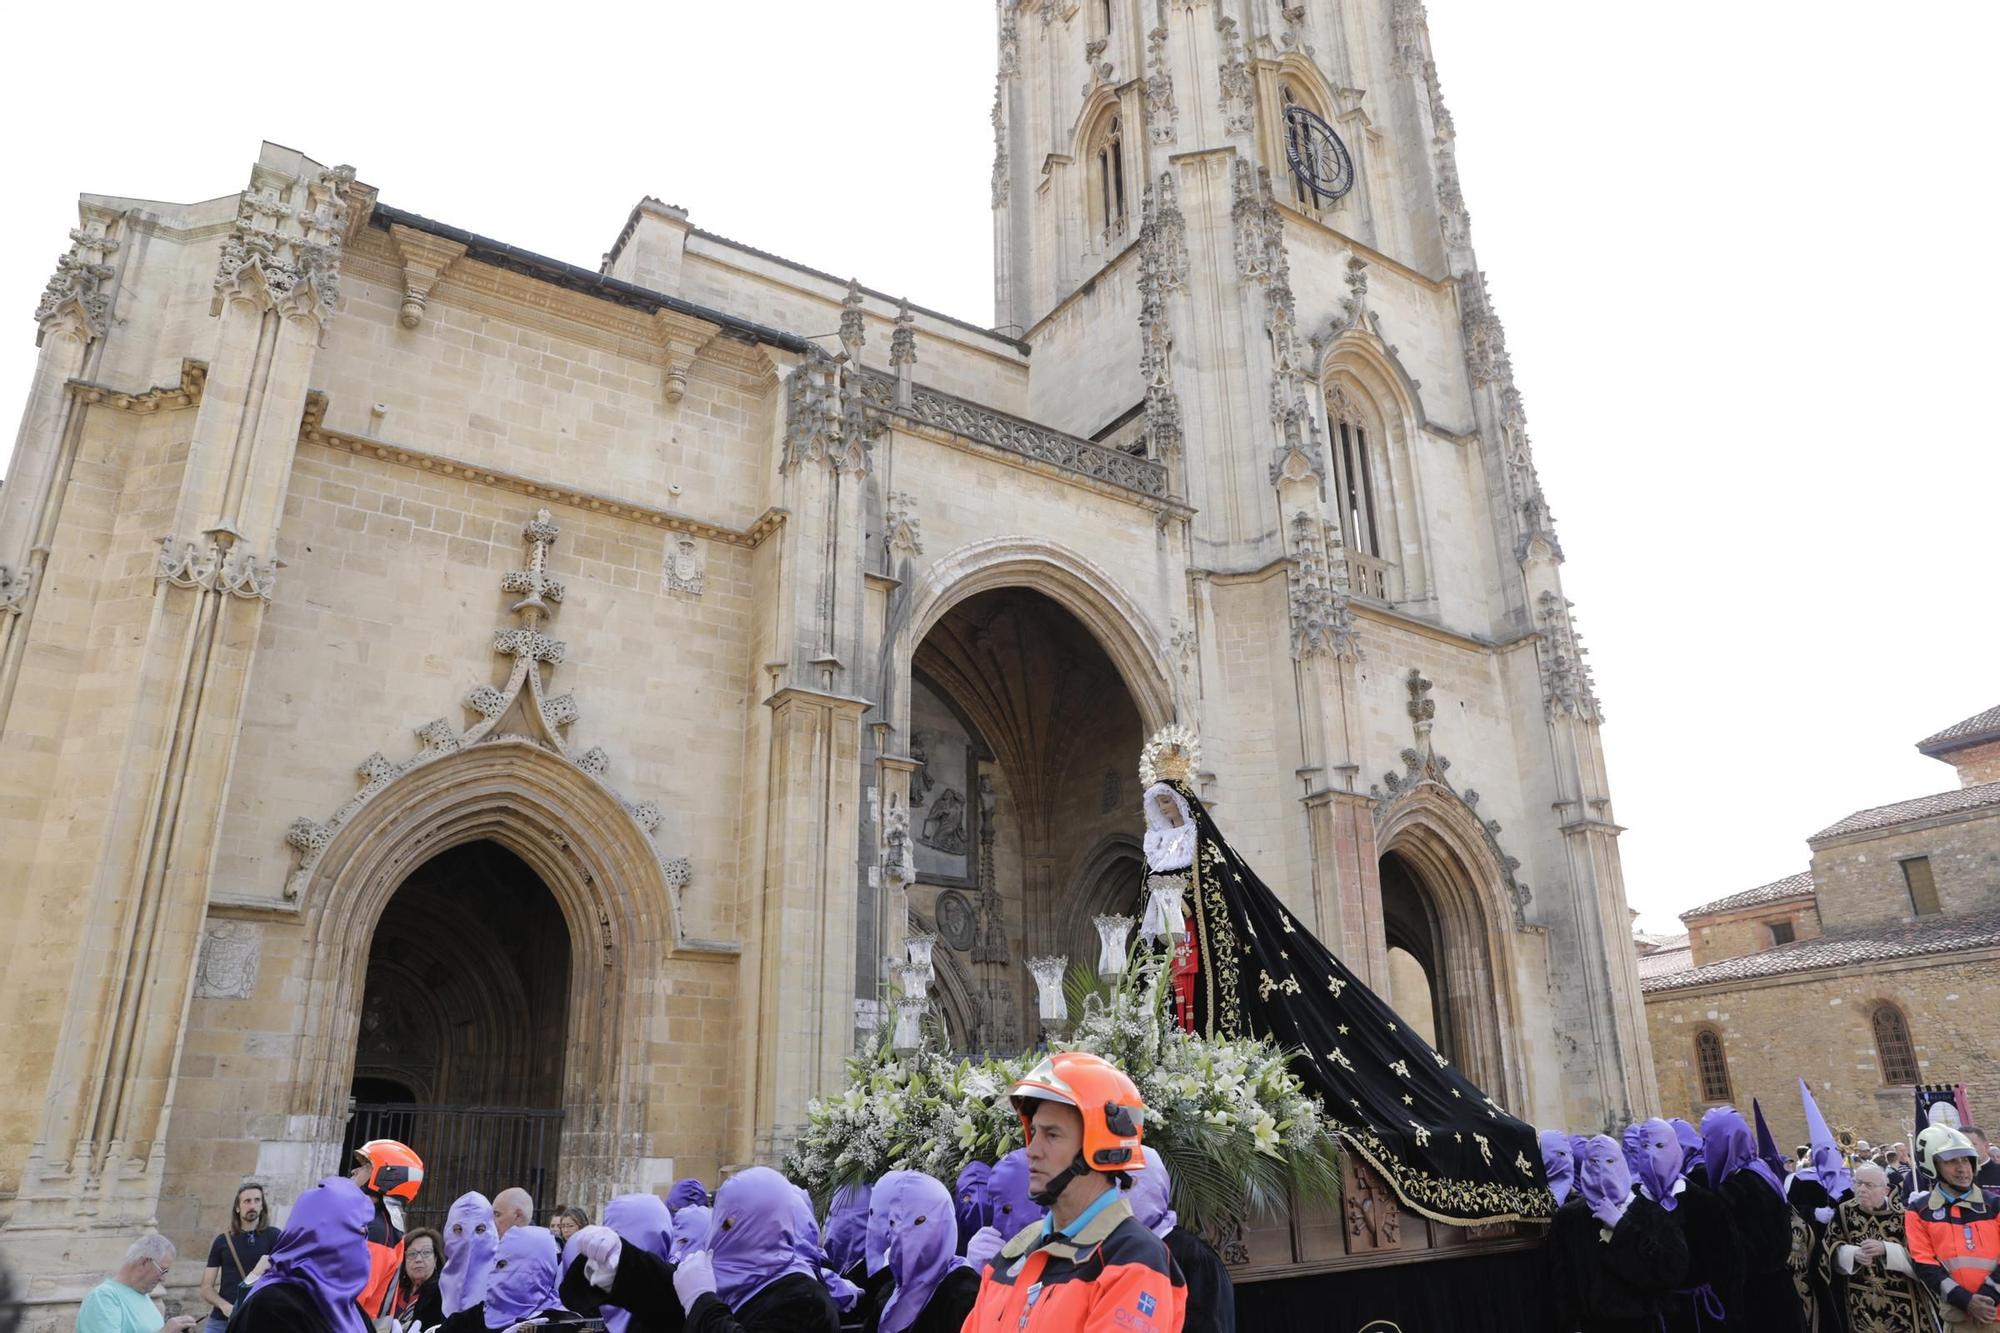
(1239, 1132)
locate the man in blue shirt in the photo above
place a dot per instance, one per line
(122, 1303)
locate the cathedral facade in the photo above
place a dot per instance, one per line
(450, 692)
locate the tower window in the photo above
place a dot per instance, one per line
(1359, 527)
(1110, 166)
(1711, 1065)
(1922, 886)
(1892, 1045)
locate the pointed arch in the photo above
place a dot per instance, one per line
(1111, 173)
(1450, 854)
(606, 878)
(1135, 646)
(1377, 482)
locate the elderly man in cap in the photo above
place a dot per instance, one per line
(122, 1303)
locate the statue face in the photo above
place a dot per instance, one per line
(1169, 809)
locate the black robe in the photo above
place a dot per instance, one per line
(277, 1307)
(1763, 1221)
(1807, 1197)
(875, 1288)
(951, 1301)
(1620, 1285)
(643, 1288)
(472, 1319)
(1211, 1296)
(1715, 1261)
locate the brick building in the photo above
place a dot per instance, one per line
(1869, 972)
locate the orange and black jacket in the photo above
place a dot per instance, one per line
(1954, 1245)
(385, 1263)
(1111, 1276)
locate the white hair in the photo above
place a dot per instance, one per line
(154, 1247)
(1871, 1169)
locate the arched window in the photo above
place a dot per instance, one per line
(1108, 166)
(1712, 1066)
(1359, 496)
(1892, 1045)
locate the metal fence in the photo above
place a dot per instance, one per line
(484, 1148)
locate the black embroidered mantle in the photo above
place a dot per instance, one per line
(1447, 1149)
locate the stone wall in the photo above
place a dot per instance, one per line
(1860, 876)
(1818, 1026)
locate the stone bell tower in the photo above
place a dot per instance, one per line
(1233, 234)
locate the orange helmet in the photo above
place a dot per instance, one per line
(394, 1171)
(1113, 1112)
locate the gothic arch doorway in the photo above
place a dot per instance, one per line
(464, 1017)
(1416, 951)
(1026, 737)
(1447, 951)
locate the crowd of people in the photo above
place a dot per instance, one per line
(1073, 1233)
(1682, 1229)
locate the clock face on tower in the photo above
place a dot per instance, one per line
(1317, 156)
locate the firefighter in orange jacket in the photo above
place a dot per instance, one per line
(1953, 1233)
(1088, 1267)
(391, 1175)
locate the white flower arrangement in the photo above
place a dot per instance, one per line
(1239, 1131)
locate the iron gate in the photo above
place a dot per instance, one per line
(484, 1148)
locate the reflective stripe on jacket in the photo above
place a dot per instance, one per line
(1112, 1276)
(1955, 1246)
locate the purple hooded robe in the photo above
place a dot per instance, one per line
(754, 1238)
(641, 1221)
(682, 1193)
(969, 1201)
(1726, 1148)
(1653, 1152)
(524, 1277)
(923, 1244)
(1603, 1180)
(1151, 1195)
(846, 1226)
(324, 1249)
(469, 1242)
(1559, 1161)
(1007, 1192)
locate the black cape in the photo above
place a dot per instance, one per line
(1714, 1279)
(1622, 1285)
(277, 1307)
(644, 1290)
(1211, 1296)
(1444, 1146)
(945, 1312)
(472, 1319)
(1769, 1302)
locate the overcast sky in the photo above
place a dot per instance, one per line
(1741, 250)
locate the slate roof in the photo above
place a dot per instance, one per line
(1979, 727)
(1922, 807)
(1665, 962)
(1791, 886)
(1844, 948)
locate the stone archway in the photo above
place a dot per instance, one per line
(1442, 893)
(615, 903)
(465, 1010)
(1087, 593)
(1024, 733)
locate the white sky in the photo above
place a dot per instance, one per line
(1739, 249)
